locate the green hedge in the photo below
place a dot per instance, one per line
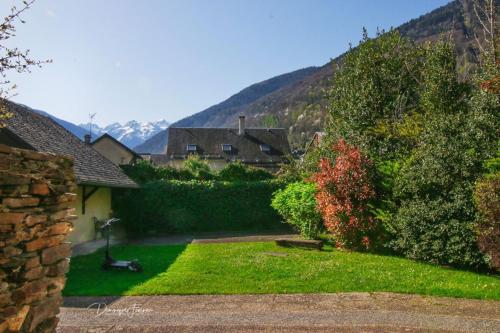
(164, 207)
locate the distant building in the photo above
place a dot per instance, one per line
(113, 150)
(263, 148)
(95, 174)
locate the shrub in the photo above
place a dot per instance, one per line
(487, 200)
(297, 204)
(192, 206)
(199, 168)
(238, 171)
(435, 219)
(344, 193)
(144, 171)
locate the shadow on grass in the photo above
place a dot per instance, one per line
(87, 278)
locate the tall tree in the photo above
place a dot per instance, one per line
(435, 218)
(374, 96)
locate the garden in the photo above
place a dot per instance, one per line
(263, 267)
(404, 189)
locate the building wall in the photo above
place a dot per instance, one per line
(98, 205)
(113, 152)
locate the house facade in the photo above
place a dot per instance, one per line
(96, 176)
(258, 147)
(113, 150)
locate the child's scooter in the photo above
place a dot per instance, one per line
(109, 262)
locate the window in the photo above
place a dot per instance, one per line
(265, 148)
(191, 148)
(227, 148)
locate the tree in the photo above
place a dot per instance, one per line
(486, 12)
(435, 217)
(374, 96)
(270, 121)
(13, 59)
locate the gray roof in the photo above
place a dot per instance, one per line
(41, 133)
(246, 148)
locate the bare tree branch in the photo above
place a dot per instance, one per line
(13, 59)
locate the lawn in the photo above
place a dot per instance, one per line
(254, 268)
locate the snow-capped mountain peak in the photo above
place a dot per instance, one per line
(132, 133)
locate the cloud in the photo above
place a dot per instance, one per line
(118, 64)
(50, 13)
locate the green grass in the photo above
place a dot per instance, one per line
(244, 268)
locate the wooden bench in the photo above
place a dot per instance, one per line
(306, 243)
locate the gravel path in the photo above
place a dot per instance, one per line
(343, 312)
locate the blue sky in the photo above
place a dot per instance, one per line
(166, 59)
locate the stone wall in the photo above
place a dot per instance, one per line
(36, 194)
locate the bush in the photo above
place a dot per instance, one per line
(297, 204)
(197, 167)
(192, 206)
(487, 199)
(344, 193)
(434, 189)
(143, 172)
(237, 171)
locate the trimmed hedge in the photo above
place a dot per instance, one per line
(164, 207)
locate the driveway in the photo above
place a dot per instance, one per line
(343, 312)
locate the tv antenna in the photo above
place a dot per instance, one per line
(91, 116)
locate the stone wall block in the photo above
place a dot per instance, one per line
(35, 219)
(20, 202)
(11, 218)
(40, 189)
(44, 242)
(56, 253)
(16, 321)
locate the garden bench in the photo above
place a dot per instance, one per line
(307, 243)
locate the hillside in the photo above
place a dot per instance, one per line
(217, 114)
(300, 105)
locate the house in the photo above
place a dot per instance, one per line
(96, 176)
(156, 159)
(113, 150)
(264, 148)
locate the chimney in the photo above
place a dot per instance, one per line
(86, 138)
(241, 130)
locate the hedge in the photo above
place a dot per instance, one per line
(165, 207)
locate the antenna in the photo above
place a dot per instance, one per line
(91, 116)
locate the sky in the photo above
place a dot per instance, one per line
(147, 60)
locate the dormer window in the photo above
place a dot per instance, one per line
(227, 148)
(265, 148)
(191, 148)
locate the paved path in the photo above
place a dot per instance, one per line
(214, 237)
(343, 312)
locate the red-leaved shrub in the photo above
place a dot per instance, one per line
(344, 191)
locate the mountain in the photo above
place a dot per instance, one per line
(297, 100)
(217, 114)
(75, 129)
(131, 134)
